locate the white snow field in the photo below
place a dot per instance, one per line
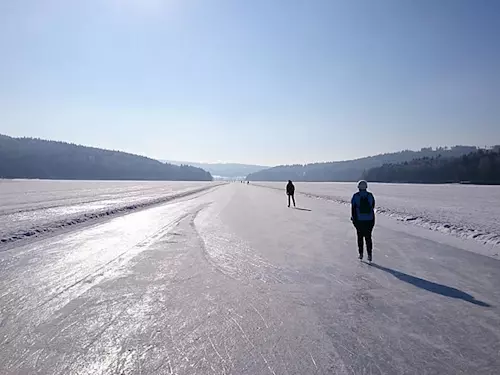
(33, 207)
(231, 281)
(465, 211)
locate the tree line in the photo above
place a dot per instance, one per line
(351, 170)
(479, 167)
(41, 159)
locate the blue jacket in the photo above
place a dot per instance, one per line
(355, 203)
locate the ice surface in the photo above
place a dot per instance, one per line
(32, 207)
(235, 282)
(466, 211)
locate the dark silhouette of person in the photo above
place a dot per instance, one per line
(363, 218)
(290, 191)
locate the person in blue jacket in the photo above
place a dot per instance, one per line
(363, 218)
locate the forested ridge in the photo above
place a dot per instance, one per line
(351, 170)
(479, 167)
(37, 158)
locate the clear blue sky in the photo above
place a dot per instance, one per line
(257, 81)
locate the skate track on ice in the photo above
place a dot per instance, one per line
(231, 281)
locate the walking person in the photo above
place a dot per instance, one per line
(363, 218)
(290, 191)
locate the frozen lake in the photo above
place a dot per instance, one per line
(230, 280)
(467, 211)
(28, 207)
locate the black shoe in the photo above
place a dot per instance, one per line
(360, 257)
(369, 258)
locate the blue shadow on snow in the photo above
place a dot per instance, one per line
(432, 287)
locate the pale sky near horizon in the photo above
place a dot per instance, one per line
(261, 81)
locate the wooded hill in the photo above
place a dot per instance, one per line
(351, 170)
(479, 167)
(36, 158)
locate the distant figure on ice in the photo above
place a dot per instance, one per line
(363, 217)
(290, 191)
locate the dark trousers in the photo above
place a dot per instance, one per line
(291, 196)
(364, 231)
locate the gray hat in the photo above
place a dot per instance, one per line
(362, 185)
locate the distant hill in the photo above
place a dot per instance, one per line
(227, 170)
(480, 167)
(36, 158)
(351, 170)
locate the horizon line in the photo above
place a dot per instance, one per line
(268, 165)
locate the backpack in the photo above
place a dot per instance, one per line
(365, 206)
